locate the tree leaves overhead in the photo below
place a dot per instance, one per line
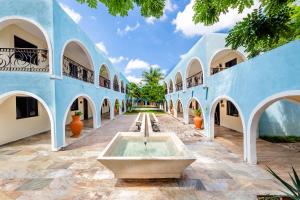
(148, 8)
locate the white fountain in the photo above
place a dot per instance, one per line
(146, 155)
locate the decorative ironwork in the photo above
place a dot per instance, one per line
(122, 89)
(104, 82)
(116, 86)
(215, 70)
(179, 86)
(76, 70)
(194, 80)
(21, 59)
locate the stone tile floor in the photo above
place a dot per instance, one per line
(29, 170)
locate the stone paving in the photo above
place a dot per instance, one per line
(29, 170)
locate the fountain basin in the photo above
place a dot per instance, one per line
(165, 156)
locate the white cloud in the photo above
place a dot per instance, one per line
(102, 47)
(138, 64)
(72, 13)
(134, 79)
(128, 29)
(185, 24)
(169, 7)
(117, 60)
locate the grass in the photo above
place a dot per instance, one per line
(281, 139)
(144, 111)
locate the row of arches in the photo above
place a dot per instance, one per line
(24, 114)
(225, 118)
(26, 46)
(194, 72)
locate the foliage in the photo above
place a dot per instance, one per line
(275, 23)
(294, 189)
(148, 8)
(153, 76)
(133, 92)
(153, 93)
(78, 113)
(145, 111)
(197, 112)
(281, 139)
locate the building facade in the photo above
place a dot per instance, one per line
(49, 69)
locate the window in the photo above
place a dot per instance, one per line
(26, 107)
(105, 102)
(25, 51)
(231, 109)
(231, 63)
(74, 105)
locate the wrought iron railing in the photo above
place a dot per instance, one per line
(116, 87)
(104, 82)
(215, 70)
(122, 89)
(76, 70)
(194, 80)
(22, 59)
(179, 86)
(171, 90)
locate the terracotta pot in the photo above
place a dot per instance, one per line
(198, 121)
(76, 126)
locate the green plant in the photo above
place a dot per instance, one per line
(197, 112)
(78, 113)
(294, 189)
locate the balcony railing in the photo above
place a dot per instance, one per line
(194, 80)
(171, 90)
(76, 70)
(215, 70)
(22, 59)
(104, 82)
(179, 86)
(116, 87)
(122, 89)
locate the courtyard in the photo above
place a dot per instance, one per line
(30, 170)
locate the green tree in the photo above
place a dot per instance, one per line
(154, 75)
(134, 92)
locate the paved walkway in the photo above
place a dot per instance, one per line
(28, 170)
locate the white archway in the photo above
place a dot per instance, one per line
(179, 109)
(104, 76)
(116, 83)
(201, 107)
(171, 86)
(178, 82)
(198, 69)
(40, 27)
(254, 121)
(212, 120)
(19, 92)
(93, 108)
(110, 107)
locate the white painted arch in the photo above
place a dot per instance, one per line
(93, 107)
(255, 117)
(40, 27)
(212, 120)
(191, 60)
(187, 107)
(110, 107)
(26, 93)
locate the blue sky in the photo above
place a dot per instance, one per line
(133, 43)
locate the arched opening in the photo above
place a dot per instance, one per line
(77, 62)
(171, 86)
(165, 87)
(105, 111)
(225, 59)
(171, 107)
(178, 82)
(192, 106)
(25, 115)
(24, 46)
(122, 87)
(104, 80)
(179, 109)
(123, 106)
(276, 121)
(116, 84)
(194, 73)
(85, 108)
(117, 108)
(227, 125)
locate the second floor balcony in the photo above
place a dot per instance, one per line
(77, 71)
(104, 82)
(194, 80)
(24, 59)
(179, 86)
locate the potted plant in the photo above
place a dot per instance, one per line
(76, 124)
(198, 121)
(117, 108)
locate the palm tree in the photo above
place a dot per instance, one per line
(153, 76)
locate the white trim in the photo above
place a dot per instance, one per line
(176, 107)
(107, 69)
(212, 120)
(110, 109)
(172, 86)
(44, 32)
(83, 47)
(255, 117)
(219, 51)
(16, 92)
(178, 73)
(93, 107)
(201, 65)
